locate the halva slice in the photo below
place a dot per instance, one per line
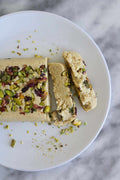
(80, 79)
(24, 92)
(66, 109)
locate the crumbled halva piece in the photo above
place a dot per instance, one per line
(80, 79)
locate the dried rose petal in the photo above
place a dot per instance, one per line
(15, 96)
(38, 92)
(25, 89)
(75, 111)
(28, 98)
(3, 108)
(22, 113)
(42, 66)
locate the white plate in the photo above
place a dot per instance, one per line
(52, 32)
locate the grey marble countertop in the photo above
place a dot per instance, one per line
(101, 20)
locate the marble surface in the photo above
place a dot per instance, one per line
(101, 20)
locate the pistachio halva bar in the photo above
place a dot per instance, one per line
(66, 109)
(80, 79)
(24, 92)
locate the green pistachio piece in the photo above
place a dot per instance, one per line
(0, 84)
(42, 103)
(0, 101)
(29, 69)
(17, 101)
(64, 73)
(43, 85)
(1, 93)
(9, 92)
(27, 109)
(21, 80)
(45, 70)
(20, 74)
(72, 110)
(33, 96)
(31, 88)
(38, 70)
(16, 88)
(67, 84)
(14, 107)
(30, 76)
(38, 85)
(46, 109)
(83, 69)
(13, 142)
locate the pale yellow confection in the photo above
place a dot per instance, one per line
(80, 79)
(24, 105)
(65, 104)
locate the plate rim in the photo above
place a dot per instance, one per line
(108, 75)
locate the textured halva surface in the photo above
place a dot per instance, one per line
(62, 92)
(16, 116)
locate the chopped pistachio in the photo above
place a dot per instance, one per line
(27, 109)
(12, 51)
(33, 41)
(85, 123)
(83, 69)
(50, 50)
(46, 109)
(52, 54)
(42, 122)
(1, 94)
(57, 140)
(27, 132)
(18, 41)
(42, 103)
(13, 142)
(19, 53)
(1, 123)
(35, 30)
(6, 127)
(37, 146)
(24, 49)
(62, 131)
(35, 133)
(21, 142)
(33, 96)
(67, 84)
(30, 36)
(39, 86)
(27, 38)
(35, 124)
(64, 73)
(35, 48)
(76, 122)
(31, 88)
(10, 135)
(38, 56)
(17, 101)
(16, 88)
(14, 107)
(9, 92)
